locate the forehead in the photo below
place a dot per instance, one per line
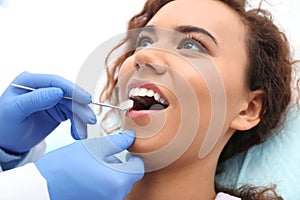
(214, 16)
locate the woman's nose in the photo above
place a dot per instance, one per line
(150, 59)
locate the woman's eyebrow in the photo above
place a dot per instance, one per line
(149, 28)
(195, 29)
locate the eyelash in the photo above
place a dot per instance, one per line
(146, 35)
(190, 37)
(142, 35)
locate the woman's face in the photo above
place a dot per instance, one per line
(186, 74)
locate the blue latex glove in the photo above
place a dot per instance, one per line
(87, 169)
(27, 117)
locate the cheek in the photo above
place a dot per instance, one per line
(125, 73)
(127, 66)
(205, 108)
(214, 91)
(236, 91)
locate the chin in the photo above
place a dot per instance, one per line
(151, 136)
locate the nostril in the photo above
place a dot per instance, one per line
(148, 59)
(160, 69)
(137, 66)
(150, 66)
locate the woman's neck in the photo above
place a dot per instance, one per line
(193, 181)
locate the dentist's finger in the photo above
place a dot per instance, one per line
(107, 146)
(134, 166)
(48, 80)
(38, 100)
(78, 127)
(83, 111)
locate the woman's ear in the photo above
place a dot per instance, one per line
(249, 116)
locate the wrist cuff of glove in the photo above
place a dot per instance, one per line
(9, 160)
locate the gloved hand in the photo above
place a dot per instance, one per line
(27, 117)
(87, 169)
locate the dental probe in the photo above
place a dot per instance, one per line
(124, 106)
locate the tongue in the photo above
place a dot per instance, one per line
(146, 103)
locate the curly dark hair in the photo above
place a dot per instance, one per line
(269, 69)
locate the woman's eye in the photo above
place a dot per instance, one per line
(191, 44)
(144, 42)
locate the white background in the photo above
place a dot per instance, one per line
(56, 36)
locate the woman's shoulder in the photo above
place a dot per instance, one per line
(223, 196)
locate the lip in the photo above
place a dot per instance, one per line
(140, 114)
(135, 83)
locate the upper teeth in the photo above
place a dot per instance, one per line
(142, 92)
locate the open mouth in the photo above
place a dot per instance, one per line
(147, 99)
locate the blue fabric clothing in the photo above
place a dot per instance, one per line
(9, 161)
